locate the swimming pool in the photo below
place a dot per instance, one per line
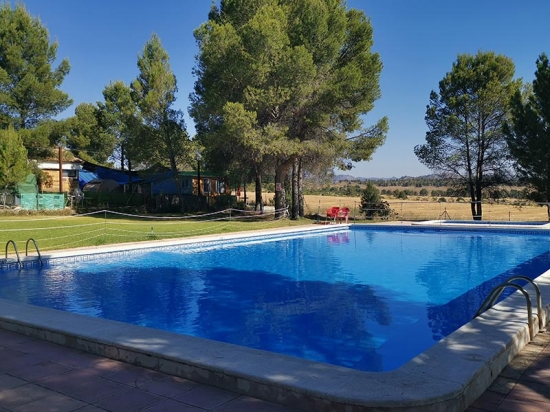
(346, 297)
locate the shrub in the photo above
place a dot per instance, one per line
(402, 195)
(372, 204)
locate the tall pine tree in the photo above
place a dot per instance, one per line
(29, 85)
(528, 133)
(283, 80)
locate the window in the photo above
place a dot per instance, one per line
(70, 173)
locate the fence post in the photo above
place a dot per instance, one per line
(319, 210)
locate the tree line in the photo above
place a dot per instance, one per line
(281, 86)
(281, 91)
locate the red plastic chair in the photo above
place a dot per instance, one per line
(332, 213)
(343, 214)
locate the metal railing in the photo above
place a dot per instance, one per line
(19, 264)
(18, 258)
(37, 250)
(497, 291)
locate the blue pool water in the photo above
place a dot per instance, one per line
(369, 299)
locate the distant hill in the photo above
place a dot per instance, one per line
(343, 178)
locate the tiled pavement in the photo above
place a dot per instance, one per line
(40, 376)
(44, 377)
(524, 385)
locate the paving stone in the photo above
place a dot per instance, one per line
(40, 371)
(519, 405)
(246, 403)
(52, 403)
(206, 397)
(95, 391)
(129, 401)
(533, 391)
(21, 395)
(489, 401)
(502, 385)
(170, 405)
(9, 382)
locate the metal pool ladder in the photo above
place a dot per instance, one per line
(490, 301)
(37, 250)
(16, 253)
(19, 263)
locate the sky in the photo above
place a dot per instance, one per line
(418, 41)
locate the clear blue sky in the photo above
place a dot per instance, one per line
(418, 42)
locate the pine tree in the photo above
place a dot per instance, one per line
(528, 133)
(13, 159)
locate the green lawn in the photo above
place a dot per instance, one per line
(67, 232)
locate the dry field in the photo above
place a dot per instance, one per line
(428, 209)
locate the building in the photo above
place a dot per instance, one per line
(70, 174)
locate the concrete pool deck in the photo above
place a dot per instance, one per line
(448, 377)
(36, 375)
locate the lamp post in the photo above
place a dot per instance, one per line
(199, 158)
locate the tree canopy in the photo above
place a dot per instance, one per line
(465, 140)
(162, 136)
(13, 158)
(29, 86)
(528, 132)
(119, 116)
(88, 136)
(281, 80)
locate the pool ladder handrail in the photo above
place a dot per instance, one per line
(19, 263)
(490, 301)
(37, 250)
(16, 253)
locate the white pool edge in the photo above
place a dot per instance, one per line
(494, 224)
(447, 377)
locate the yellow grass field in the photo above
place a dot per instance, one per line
(428, 209)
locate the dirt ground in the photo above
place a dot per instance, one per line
(427, 209)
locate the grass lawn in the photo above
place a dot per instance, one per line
(67, 232)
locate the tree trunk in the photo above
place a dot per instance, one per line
(279, 190)
(130, 171)
(177, 181)
(259, 206)
(178, 190)
(300, 189)
(479, 213)
(472, 201)
(130, 183)
(294, 211)
(280, 197)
